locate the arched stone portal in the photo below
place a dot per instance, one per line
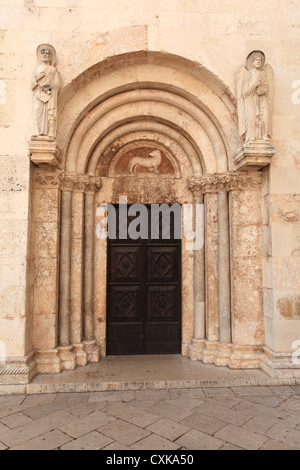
(124, 107)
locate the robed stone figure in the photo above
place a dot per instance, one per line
(254, 91)
(46, 84)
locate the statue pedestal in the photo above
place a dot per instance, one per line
(253, 155)
(44, 151)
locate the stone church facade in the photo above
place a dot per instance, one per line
(195, 103)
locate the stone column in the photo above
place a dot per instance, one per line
(91, 186)
(65, 269)
(89, 266)
(199, 275)
(224, 269)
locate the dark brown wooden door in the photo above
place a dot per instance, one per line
(144, 295)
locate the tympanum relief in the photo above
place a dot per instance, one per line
(144, 160)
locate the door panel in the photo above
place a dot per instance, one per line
(144, 296)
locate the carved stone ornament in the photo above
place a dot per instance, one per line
(225, 182)
(254, 91)
(47, 178)
(45, 85)
(79, 183)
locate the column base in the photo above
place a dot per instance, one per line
(226, 354)
(18, 371)
(67, 358)
(280, 365)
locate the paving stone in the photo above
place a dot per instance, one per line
(124, 432)
(226, 402)
(42, 399)
(272, 402)
(252, 391)
(140, 404)
(291, 405)
(168, 429)
(2, 446)
(282, 433)
(170, 411)
(80, 411)
(186, 403)
(155, 442)
(92, 441)
(230, 447)
(112, 396)
(36, 428)
(131, 414)
(282, 390)
(241, 437)
(48, 441)
(41, 411)
(14, 400)
(251, 409)
(204, 423)
(296, 389)
(259, 424)
(16, 420)
(223, 414)
(196, 440)
(190, 393)
(117, 446)
(153, 395)
(10, 409)
(86, 424)
(275, 445)
(218, 392)
(68, 398)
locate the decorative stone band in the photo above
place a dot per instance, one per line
(49, 178)
(79, 183)
(14, 370)
(225, 182)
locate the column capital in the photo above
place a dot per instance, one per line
(225, 182)
(79, 183)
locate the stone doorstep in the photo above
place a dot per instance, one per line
(47, 386)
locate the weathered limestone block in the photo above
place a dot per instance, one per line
(246, 268)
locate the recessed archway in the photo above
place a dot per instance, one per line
(179, 109)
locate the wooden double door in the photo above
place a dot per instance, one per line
(144, 293)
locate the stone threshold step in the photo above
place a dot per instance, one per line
(77, 387)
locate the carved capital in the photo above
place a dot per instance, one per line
(253, 155)
(44, 152)
(225, 182)
(79, 183)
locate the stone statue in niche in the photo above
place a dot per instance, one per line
(254, 91)
(151, 163)
(46, 84)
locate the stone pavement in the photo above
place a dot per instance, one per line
(253, 417)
